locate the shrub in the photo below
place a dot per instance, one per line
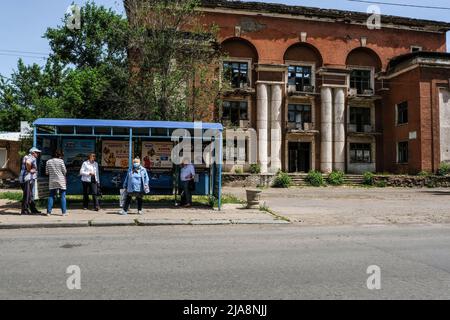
(424, 174)
(381, 184)
(282, 180)
(255, 168)
(336, 178)
(368, 178)
(315, 178)
(238, 170)
(444, 169)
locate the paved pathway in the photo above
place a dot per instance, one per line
(357, 206)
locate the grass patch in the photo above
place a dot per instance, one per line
(265, 208)
(114, 199)
(13, 196)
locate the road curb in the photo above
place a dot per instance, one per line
(44, 225)
(137, 222)
(109, 223)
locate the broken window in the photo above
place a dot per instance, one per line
(360, 153)
(236, 73)
(234, 111)
(361, 80)
(301, 77)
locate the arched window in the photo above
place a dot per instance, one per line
(237, 65)
(302, 60)
(363, 63)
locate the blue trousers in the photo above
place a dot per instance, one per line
(52, 199)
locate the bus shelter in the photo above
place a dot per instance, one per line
(117, 142)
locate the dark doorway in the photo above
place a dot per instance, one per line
(299, 156)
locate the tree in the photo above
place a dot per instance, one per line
(31, 92)
(173, 60)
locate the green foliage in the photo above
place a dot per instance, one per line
(255, 168)
(315, 178)
(424, 174)
(381, 184)
(282, 180)
(108, 70)
(238, 170)
(336, 178)
(368, 178)
(444, 169)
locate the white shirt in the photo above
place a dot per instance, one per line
(86, 169)
(186, 172)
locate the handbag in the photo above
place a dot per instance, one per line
(123, 197)
(145, 186)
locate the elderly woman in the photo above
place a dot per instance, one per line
(136, 184)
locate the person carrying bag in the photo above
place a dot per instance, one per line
(136, 184)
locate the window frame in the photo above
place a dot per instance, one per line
(363, 68)
(397, 113)
(237, 60)
(370, 119)
(359, 148)
(303, 105)
(239, 102)
(415, 48)
(311, 65)
(398, 152)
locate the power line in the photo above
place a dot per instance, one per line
(22, 56)
(401, 4)
(26, 52)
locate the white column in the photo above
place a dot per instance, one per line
(275, 125)
(339, 129)
(262, 113)
(326, 151)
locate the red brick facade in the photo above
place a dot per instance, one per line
(335, 44)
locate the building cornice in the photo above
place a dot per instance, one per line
(317, 14)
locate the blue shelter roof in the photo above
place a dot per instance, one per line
(126, 124)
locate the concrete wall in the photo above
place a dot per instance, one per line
(444, 124)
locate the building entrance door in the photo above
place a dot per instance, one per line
(299, 156)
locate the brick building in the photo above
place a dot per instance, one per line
(325, 92)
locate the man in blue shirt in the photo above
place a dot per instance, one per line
(187, 176)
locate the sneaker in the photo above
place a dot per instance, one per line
(48, 214)
(123, 213)
(140, 212)
(65, 214)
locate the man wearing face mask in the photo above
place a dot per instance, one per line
(136, 184)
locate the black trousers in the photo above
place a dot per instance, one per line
(186, 193)
(127, 203)
(90, 188)
(28, 205)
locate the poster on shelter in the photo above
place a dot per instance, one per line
(76, 151)
(157, 154)
(115, 153)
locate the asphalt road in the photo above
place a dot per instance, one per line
(231, 262)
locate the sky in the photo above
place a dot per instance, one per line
(23, 22)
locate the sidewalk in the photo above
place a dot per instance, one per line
(10, 217)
